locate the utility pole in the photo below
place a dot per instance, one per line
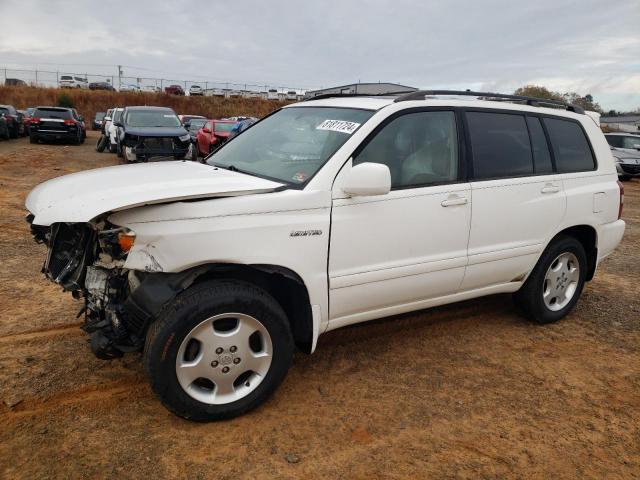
(119, 77)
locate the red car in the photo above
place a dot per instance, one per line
(214, 133)
(174, 90)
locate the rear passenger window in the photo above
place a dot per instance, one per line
(500, 145)
(541, 155)
(570, 146)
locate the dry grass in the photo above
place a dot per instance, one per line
(89, 102)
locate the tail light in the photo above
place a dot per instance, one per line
(8, 117)
(69, 122)
(35, 119)
(621, 199)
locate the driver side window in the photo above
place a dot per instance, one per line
(419, 148)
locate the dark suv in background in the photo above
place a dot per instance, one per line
(56, 123)
(152, 132)
(14, 120)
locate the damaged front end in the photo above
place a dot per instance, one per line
(87, 259)
(140, 148)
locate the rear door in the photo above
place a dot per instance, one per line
(518, 200)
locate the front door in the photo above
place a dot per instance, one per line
(390, 253)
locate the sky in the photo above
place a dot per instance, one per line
(585, 46)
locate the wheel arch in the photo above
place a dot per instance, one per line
(588, 237)
(286, 286)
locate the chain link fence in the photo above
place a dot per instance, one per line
(46, 78)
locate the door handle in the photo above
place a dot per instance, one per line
(549, 188)
(454, 200)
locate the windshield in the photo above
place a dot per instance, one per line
(152, 118)
(630, 142)
(65, 77)
(223, 127)
(292, 144)
(196, 124)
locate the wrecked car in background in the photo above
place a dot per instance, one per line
(152, 133)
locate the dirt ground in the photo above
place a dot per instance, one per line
(470, 390)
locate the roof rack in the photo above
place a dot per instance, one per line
(338, 94)
(533, 101)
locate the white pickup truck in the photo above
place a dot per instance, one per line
(328, 213)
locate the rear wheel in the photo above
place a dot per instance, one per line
(624, 178)
(218, 351)
(33, 138)
(553, 288)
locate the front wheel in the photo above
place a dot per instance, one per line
(555, 284)
(218, 351)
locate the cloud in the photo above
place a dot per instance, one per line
(588, 46)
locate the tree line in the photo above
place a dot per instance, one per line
(587, 102)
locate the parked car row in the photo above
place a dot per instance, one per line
(141, 134)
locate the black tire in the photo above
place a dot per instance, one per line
(119, 151)
(83, 137)
(33, 138)
(101, 144)
(13, 132)
(193, 306)
(529, 298)
(624, 178)
(112, 148)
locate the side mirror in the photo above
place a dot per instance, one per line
(367, 179)
(106, 119)
(187, 125)
(81, 118)
(206, 130)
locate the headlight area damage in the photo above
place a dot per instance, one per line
(140, 148)
(87, 259)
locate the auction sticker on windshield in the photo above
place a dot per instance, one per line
(341, 126)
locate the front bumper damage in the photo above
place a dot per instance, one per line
(119, 304)
(143, 149)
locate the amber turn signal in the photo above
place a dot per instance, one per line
(126, 241)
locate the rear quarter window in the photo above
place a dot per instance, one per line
(570, 146)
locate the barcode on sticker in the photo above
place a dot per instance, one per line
(341, 126)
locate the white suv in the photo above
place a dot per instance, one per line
(70, 81)
(328, 213)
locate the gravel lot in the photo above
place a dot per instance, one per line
(469, 390)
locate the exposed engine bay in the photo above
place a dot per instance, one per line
(88, 261)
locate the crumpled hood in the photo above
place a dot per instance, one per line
(82, 196)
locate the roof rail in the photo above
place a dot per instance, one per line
(533, 101)
(338, 95)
